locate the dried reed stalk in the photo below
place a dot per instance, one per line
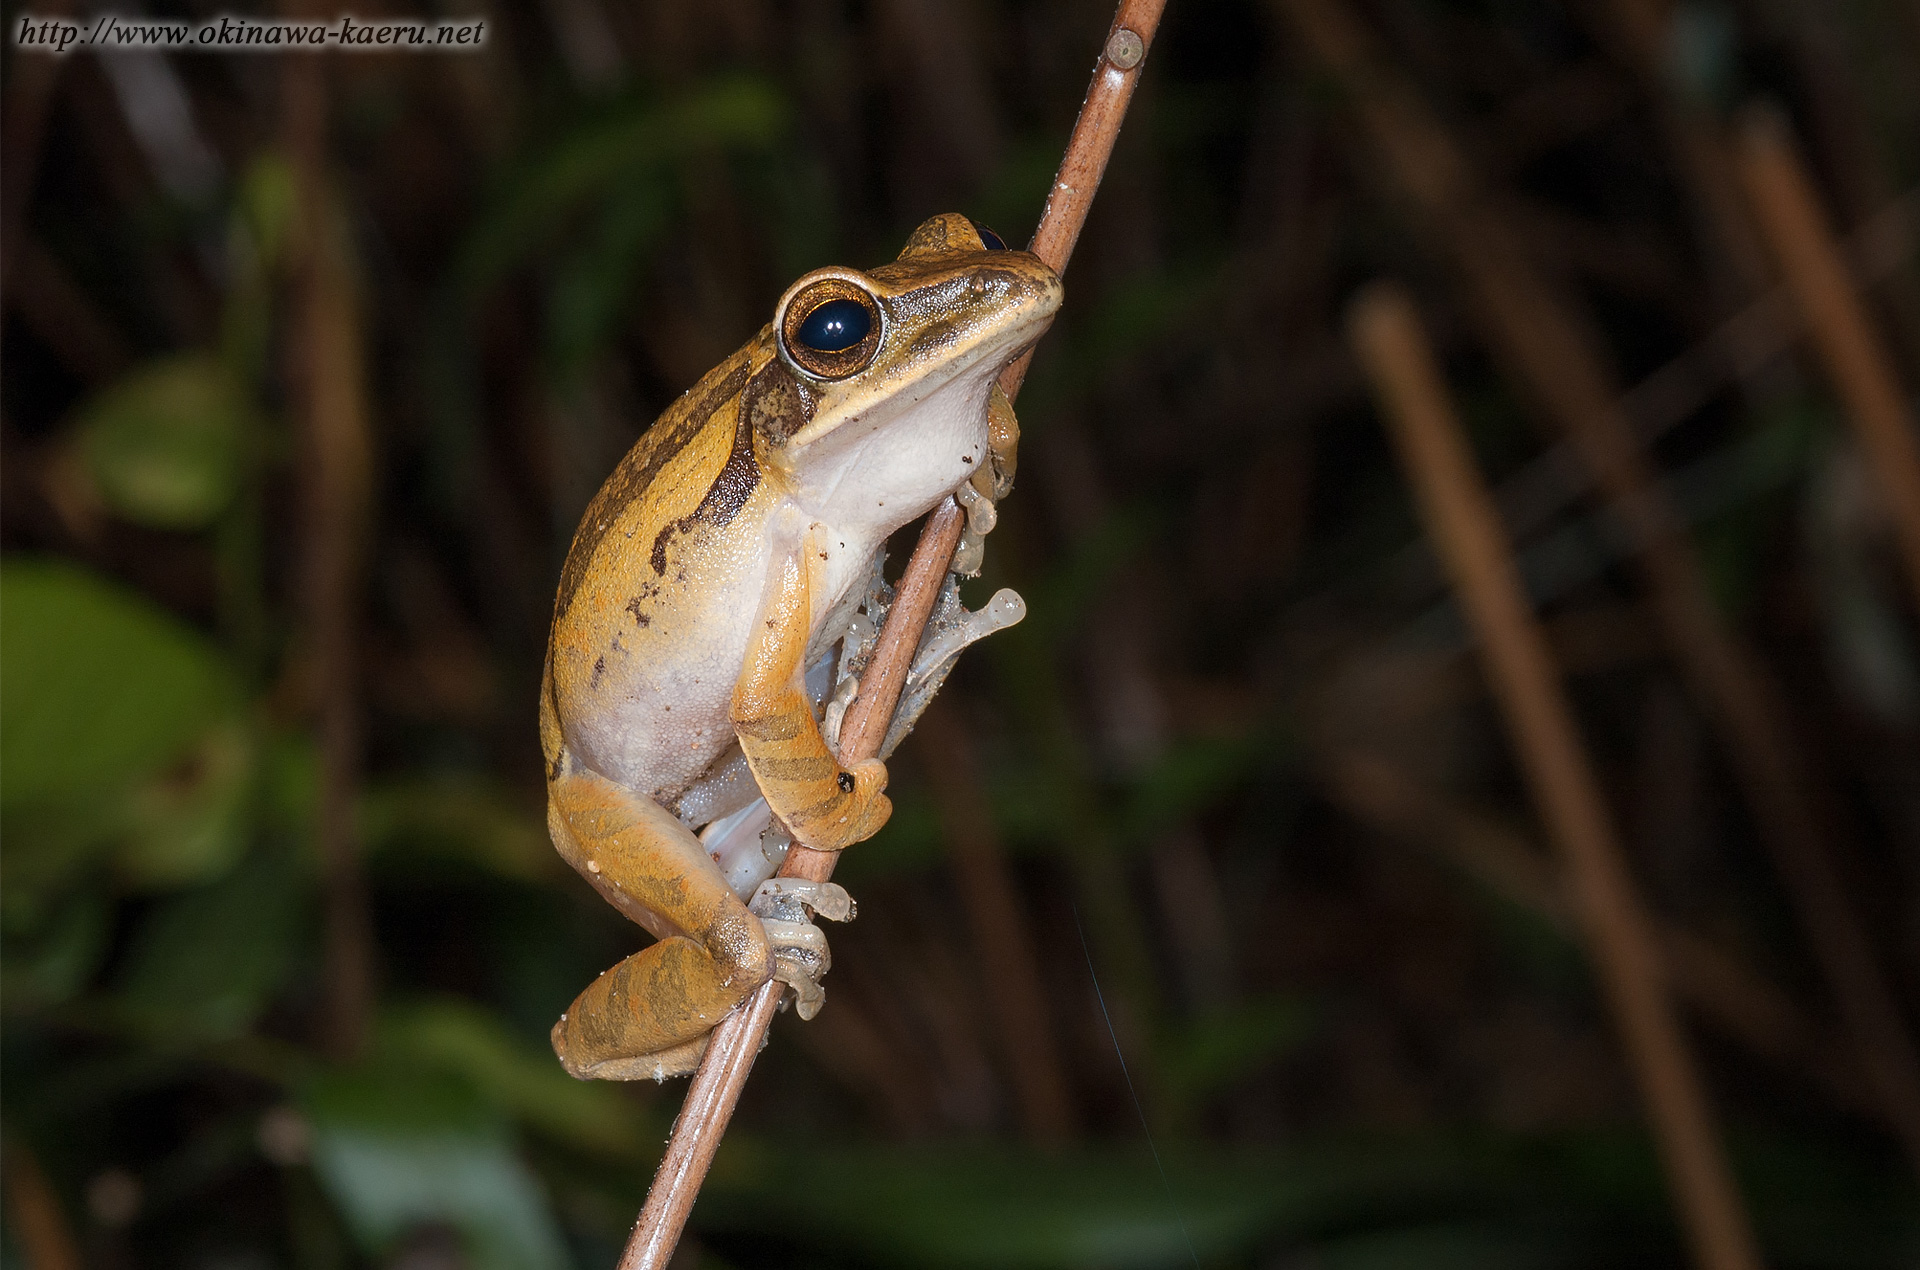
(328, 371)
(34, 1216)
(1721, 987)
(1460, 515)
(716, 1086)
(30, 82)
(1836, 320)
(1560, 361)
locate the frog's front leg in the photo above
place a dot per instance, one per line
(826, 806)
(992, 483)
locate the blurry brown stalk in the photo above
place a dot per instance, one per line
(30, 81)
(1698, 145)
(1744, 1006)
(1460, 515)
(330, 408)
(1836, 321)
(1560, 361)
(34, 283)
(715, 1088)
(35, 1222)
(1001, 936)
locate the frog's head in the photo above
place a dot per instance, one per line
(886, 373)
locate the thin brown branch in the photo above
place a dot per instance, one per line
(31, 78)
(1697, 146)
(331, 406)
(1560, 362)
(715, 1089)
(716, 1086)
(1836, 321)
(1720, 986)
(34, 1216)
(1459, 512)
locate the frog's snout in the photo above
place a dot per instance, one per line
(1025, 284)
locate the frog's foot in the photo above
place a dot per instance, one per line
(800, 953)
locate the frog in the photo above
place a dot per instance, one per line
(711, 578)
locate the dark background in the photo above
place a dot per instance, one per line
(310, 366)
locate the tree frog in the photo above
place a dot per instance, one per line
(727, 555)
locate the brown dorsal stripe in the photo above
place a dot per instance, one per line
(725, 497)
(653, 451)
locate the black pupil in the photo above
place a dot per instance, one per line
(990, 240)
(836, 326)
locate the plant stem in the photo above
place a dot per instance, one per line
(737, 1039)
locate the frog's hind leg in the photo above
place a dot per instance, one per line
(648, 1016)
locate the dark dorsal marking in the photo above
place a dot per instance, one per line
(643, 462)
(737, 480)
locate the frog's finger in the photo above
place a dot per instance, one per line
(782, 898)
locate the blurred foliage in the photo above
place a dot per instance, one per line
(1338, 1053)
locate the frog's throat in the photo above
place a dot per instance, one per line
(870, 480)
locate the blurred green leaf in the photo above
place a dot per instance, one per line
(528, 1082)
(538, 203)
(165, 444)
(591, 288)
(1450, 1246)
(1220, 1047)
(1416, 1200)
(189, 823)
(101, 687)
(398, 1147)
(54, 963)
(207, 961)
(1001, 1207)
(101, 692)
(267, 203)
(1193, 774)
(461, 818)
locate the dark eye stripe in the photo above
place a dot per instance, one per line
(835, 326)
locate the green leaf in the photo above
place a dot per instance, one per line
(1193, 774)
(462, 1039)
(537, 204)
(100, 689)
(165, 444)
(189, 823)
(461, 818)
(53, 964)
(1219, 1048)
(397, 1147)
(207, 961)
(594, 283)
(267, 206)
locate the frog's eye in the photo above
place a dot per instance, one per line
(988, 239)
(831, 329)
(834, 327)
